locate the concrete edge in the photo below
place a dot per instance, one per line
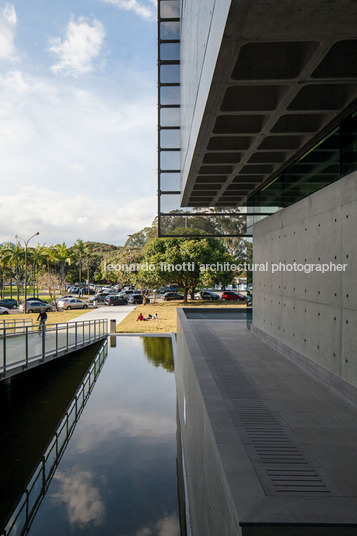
(338, 386)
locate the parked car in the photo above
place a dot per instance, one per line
(87, 291)
(72, 303)
(9, 303)
(208, 295)
(4, 311)
(127, 293)
(230, 295)
(138, 299)
(63, 298)
(106, 291)
(168, 296)
(163, 290)
(115, 299)
(97, 298)
(73, 289)
(35, 307)
(29, 300)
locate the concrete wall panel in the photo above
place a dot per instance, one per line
(312, 313)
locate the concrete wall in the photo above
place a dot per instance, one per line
(313, 314)
(202, 27)
(208, 448)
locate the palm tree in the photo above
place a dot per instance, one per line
(38, 257)
(80, 250)
(4, 266)
(15, 256)
(62, 255)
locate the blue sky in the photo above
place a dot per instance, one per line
(77, 119)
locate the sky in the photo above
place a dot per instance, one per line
(78, 117)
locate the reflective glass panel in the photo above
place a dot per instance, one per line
(170, 160)
(170, 181)
(170, 139)
(170, 95)
(169, 30)
(170, 74)
(170, 117)
(170, 9)
(170, 51)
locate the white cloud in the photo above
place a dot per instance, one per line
(81, 497)
(63, 217)
(79, 48)
(167, 526)
(144, 10)
(74, 163)
(8, 20)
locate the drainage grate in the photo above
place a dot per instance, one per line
(281, 461)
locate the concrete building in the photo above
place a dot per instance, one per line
(258, 112)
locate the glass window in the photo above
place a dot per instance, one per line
(170, 182)
(170, 202)
(170, 9)
(170, 51)
(170, 74)
(170, 139)
(170, 160)
(169, 30)
(348, 140)
(170, 117)
(170, 95)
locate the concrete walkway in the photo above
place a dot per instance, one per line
(275, 447)
(117, 312)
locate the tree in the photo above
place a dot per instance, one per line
(50, 281)
(15, 256)
(159, 351)
(80, 251)
(61, 254)
(37, 257)
(180, 261)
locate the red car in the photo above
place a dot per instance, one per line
(229, 295)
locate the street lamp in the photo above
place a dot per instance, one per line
(26, 244)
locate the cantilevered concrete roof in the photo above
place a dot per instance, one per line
(285, 74)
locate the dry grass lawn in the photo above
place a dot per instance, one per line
(166, 323)
(52, 318)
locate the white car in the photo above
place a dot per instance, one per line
(4, 311)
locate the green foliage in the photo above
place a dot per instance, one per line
(159, 351)
(179, 261)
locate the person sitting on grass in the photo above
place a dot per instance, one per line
(140, 317)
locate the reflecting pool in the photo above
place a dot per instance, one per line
(117, 475)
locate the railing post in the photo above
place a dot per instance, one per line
(43, 342)
(27, 345)
(4, 350)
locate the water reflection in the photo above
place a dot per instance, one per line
(81, 497)
(34, 406)
(159, 351)
(118, 475)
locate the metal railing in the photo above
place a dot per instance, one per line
(33, 345)
(15, 325)
(21, 518)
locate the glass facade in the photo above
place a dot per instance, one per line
(173, 220)
(330, 159)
